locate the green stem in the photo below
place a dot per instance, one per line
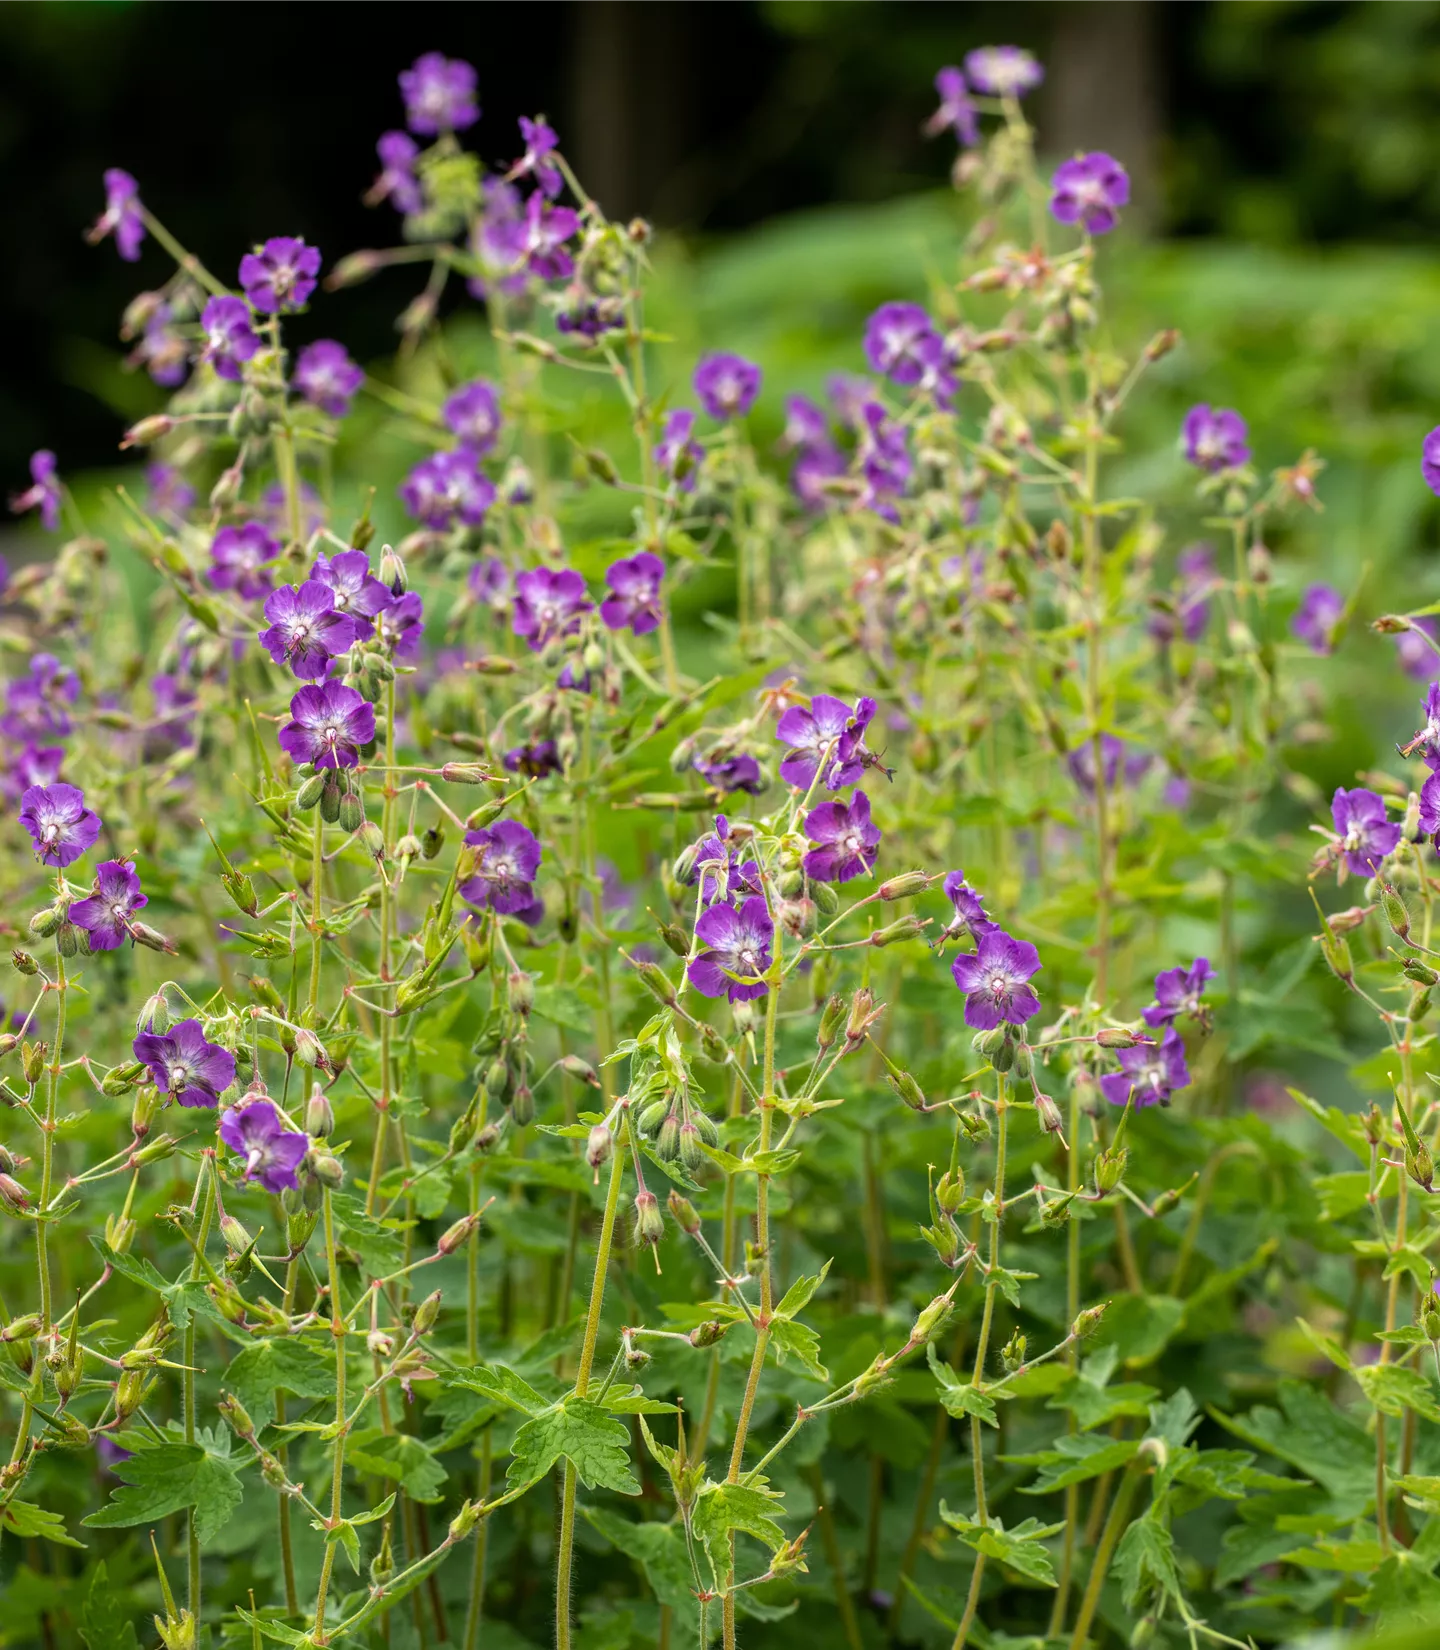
(1114, 1524)
(337, 1470)
(387, 829)
(207, 1210)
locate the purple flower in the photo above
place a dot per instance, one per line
(537, 760)
(677, 453)
(540, 141)
(162, 351)
(1428, 737)
(446, 488)
(305, 629)
(1430, 806)
(1003, 71)
(995, 980)
(901, 341)
(272, 1152)
(44, 492)
(634, 600)
(956, 111)
(1081, 762)
(240, 559)
(850, 395)
(845, 843)
(1430, 460)
(548, 604)
(806, 425)
(1415, 648)
(970, 914)
(356, 591)
(1316, 618)
(539, 238)
(829, 726)
(439, 95)
(280, 275)
(727, 385)
(504, 875)
(1365, 836)
(714, 863)
(106, 914)
(472, 414)
(328, 725)
(33, 765)
(1090, 190)
(327, 377)
(400, 627)
(736, 951)
(397, 182)
(185, 1066)
(60, 825)
(229, 337)
(1191, 611)
(167, 491)
(731, 773)
(170, 729)
(121, 217)
(1178, 991)
(1215, 438)
(491, 583)
(814, 468)
(884, 455)
(588, 315)
(1148, 1075)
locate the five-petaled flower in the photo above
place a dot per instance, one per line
(327, 377)
(1179, 991)
(273, 1153)
(439, 94)
(123, 216)
(844, 842)
(504, 876)
(1365, 836)
(447, 488)
(1003, 71)
(727, 385)
(60, 825)
(830, 731)
(1149, 1073)
(356, 591)
(397, 182)
(1090, 190)
(241, 559)
(996, 981)
(634, 599)
(735, 951)
(472, 415)
(306, 629)
(105, 914)
(548, 604)
(970, 916)
(328, 725)
(185, 1065)
(677, 452)
(956, 111)
(1318, 617)
(541, 141)
(230, 340)
(280, 275)
(1215, 438)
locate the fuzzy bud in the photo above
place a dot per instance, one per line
(32, 1061)
(426, 1314)
(1396, 913)
(905, 928)
(950, 1190)
(1047, 1113)
(931, 1320)
(649, 1222)
(327, 1169)
(904, 886)
(24, 963)
(1110, 1168)
(682, 1212)
(599, 1145)
(654, 979)
(1087, 1323)
(907, 1088)
(458, 1234)
(464, 773)
(1116, 1037)
(319, 1114)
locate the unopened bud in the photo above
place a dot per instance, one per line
(319, 1114)
(1048, 1114)
(235, 1235)
(309, 1050)
(654, 979)
(907, 1088)
(1396, 913)
(1413, 969)
(1337, 956)
(931, 1319)
(1088, 1322)
(1110, 1168)
(327, 1169)
(147, 430)
(649, 1222)
(950, 1190)
(1116, 1037)
(1012, 1354)
(426, 1313)
(464, 1521)
(32, 1061)
(599, 1144)
(682, 1212)
(903, 886)
(707, 1333)
(464, 773)
(1161, 344)
(522, 991)
(905, 928)
(1346, 921)
(234, 1414)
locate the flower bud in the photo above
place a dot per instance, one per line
(654, 980)
(319, 1114)
(351, 812)
(1012, 1354)
(458, 1234)
(1116, 1037)
(372, 839)
(1048, 1114)
(1396, 913)
(426, 1314)
(1110, 1168)
(682, 1212)
(234, 1414)
(464, 1521)
(827, 901)
(146, 431)
(121, 1079)
(1088, 1322)
(1413, 969)
(692, 1152)
(831, 1017)
(1337, 956)
(907, 1088)
(930, 1320)
(47, 922)
(309, 1050)
(522, 1105)
(486, 1139)
(465, 773)
(599, 1145)
(667, 1141)
(32, 1061)
(707, 1333)
(904, 885)
(906, 928)
(152, 939)
(330, 799)
(950, 1190)
(713, 1046)
(649, 1222)
(234, 1233)
(573, 1066)
(522, 991)
(24, 963)
(327, 1169)
(310, 792)
(1161, 344)
(21, 1329)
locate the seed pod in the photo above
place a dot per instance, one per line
(573, 1066)
(1088, 1322)
(457, 1235)
(235, 1416)
(599, 1144)
(522, 1105)
(32, 1061)
(655, 982)
(907, 1088)
(121, 1079)
(1396, 913)
(649, 1222)
(1337, 956)
(426, 1314)
(827, 901)
(130, 1391)
(234, 1233)
(682, 1212)
(904, 886)
(1116, 1037)
(1012, 1354)
(950, 1189)
(667, 1141)
(831, 1017)
(319, 1114)
(1110, 1168)
(1047, 1113)
(707, 1333)
(931, 1320)
(351, 813)
(464, 1521)
(310, 792)
(24, 963)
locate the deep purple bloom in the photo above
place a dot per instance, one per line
(715, 864)
(504, 875)
(240, 560)
(1178, 991)
(44, 492)
(397, 182)
(162, 351)
(548, 604)
(850, 395)
(272, 1152)
(472, 414)
(229, 337)
(400, 627)
(1428, 738)
(884, 455)
(537, 760)
(1148, 1075)
(1430, 460)
(806, 425)
(1003, 71)
(60, 825)
(634, 599)
(1090, 190)
(33, 765)
(1430, 806)
(106, 914)
(588, 315)
(970, 916)
(167, 491)
(185, 1066)
(956, 111)
(439, 94)
(491, 582)
(1081, 762)
(1191, 612)
(356, 591)
(35, 705)
(814, 468)
(901, 341)
(280, 275)
(539, 238)
(1316, 618)
(328, 725)
(121, 217)
(446, 488)
(677, 453)
(727, 385)
(736, 951)
(305, 628)
(327, 377)
(731, 773)
(1215, 438)
(1365, 835)
(540, 141)
(1418, 655)
(828, 726)
(995, 980)
(845, 842)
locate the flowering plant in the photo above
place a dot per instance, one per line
(503, 1127)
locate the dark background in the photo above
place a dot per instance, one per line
(1269, 122)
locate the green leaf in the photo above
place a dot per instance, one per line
(797, 1297)
(1021, 1548)
(297, 1366)
(1075, 1458)
(1342, 1194)
(400, 1456)
(1145, 1558)
(1326, 1345)
(721, 1508)
(1140, 1327)
(103, 1623)
(273, 1629)
(959, 1397)
(25, 1519)
(1393, 1388)
(798, 1341)
(582, 1433)
(659, 1550)
(1310, 1433)
(379, 1247)
(502, 1386)
(165, 1479)
(564, 1006)
(1175, 1419)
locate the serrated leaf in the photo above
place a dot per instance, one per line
(23, 1518)
(1021, 1548)
(165, 1479)
(1145, 1559)
(103, 1623)
(1394, 1388)
(721, 1508)
(798, 1341)
(401, 1457)
(1074, 1459)
(277, 1631)
(502, 1386)
(659, 1550)
(798, 1296)
(581, 1432)
(1310, 1433)
(959, 1397)
(296, 1365)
